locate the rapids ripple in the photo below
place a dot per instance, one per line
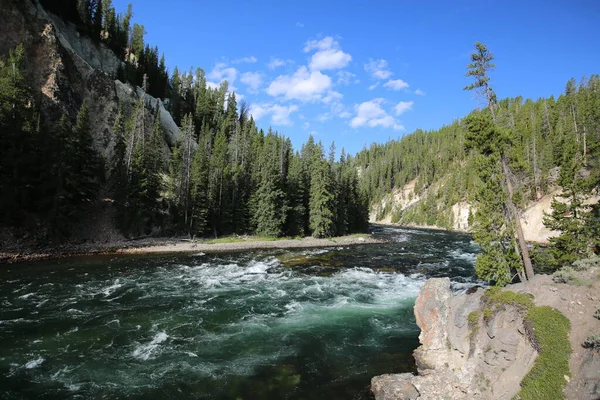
(313, 324)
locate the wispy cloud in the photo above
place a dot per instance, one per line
(299, 25)
(280, 115)
(396, 84)
(419, 92)
(378, 69)
(250, 60)
(371, 114)
(346, 77)
(403, 107)
(222, 72)
(253, 80)
(277, 62)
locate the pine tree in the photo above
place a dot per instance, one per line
(321, 203)
(200, 185)
(492, 143)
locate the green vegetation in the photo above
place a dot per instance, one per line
(569, 276)
(548, 332)
(514, 145)
(592, 342)
(225, 176)
(496, 298)
(597, 312)
(473, 321)
(546, 379)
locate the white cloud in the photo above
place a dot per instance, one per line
(253, 80)
(345, 77)
(277, 62)
(221, 72)
(322, 44)
(299, 25)
(324, 117)
(332, 96)
(328, 56)
(250, 60)
(329, 59)
(373, 86)
(280, 115)
(372, 114)
(403, 107)
(419, 92)
(396, 84)
(378, 69)
(212, 85)
(303, 85)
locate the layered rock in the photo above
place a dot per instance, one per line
(462, 356)
(67, 68)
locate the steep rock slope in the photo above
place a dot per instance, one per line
(66, 68)
(465, 354)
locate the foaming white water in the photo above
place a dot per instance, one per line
(401, 238)
(146, 351)
(463, 255)
(210, 276)
(34, 363)
(110, 290)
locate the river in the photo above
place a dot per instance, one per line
(296, 324)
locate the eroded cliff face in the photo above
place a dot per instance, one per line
(468, 353)
(65, 68)
(458, 359)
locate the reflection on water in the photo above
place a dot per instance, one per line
(307, 324)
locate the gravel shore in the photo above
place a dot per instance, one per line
(174, 245)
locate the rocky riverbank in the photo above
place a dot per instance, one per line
(19, 253)
(481, 346)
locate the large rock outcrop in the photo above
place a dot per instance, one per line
(65, 68)
(462, 356)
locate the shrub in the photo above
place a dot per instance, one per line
(592, 342)
(586, 263)
(564, 275)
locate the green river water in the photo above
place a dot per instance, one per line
(301, 324)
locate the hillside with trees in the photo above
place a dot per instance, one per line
(221, 174)
(501, 159)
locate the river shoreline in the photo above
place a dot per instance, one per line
(175, 245)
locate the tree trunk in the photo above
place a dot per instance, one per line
(575, 123)
(517, 221)
(584, 147)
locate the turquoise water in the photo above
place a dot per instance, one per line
(308, 324)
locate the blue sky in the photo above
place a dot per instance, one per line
(357, 72)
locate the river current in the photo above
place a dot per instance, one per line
(279, 324)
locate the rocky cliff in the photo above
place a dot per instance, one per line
(65, 68)
(470, 350)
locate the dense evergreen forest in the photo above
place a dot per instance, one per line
(224, 176)
(228, 176)
(500, 159)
